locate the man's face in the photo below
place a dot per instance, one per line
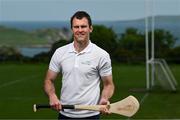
(81, 29)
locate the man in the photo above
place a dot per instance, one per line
(83, 65)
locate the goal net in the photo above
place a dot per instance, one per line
(163, 75)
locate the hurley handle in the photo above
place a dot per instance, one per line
(39, 106)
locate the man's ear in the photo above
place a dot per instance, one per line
(91, 29)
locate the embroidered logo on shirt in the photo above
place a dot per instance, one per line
(86, 62)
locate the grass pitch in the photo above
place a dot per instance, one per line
(21, 85)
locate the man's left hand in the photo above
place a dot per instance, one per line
(104, 110)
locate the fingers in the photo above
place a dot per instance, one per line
(106, 107)
(105, 110)
(55, 102)
(56, 106)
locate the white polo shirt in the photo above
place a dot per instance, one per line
(81, 74)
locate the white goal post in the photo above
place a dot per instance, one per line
(155, 68)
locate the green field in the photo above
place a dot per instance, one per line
(21, 85)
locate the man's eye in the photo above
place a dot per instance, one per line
(83, 26)
(76, 26)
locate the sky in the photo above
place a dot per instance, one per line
(62, 10)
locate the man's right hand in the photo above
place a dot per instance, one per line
(55, 102)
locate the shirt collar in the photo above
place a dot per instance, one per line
(86, 50)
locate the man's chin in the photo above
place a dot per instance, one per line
(80, 39)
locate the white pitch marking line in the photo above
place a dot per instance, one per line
(144, 97)
(14, 82)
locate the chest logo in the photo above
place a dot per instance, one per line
(86, 62)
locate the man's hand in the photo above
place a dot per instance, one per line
(104, 110)
(55, 102)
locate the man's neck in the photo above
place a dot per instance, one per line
(80, 46)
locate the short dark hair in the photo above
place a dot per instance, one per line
(80, 15)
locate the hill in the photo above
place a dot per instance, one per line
(36, 38)
(15, 37)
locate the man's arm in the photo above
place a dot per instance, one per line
(49, 88)
(107, 91)
(108, 88)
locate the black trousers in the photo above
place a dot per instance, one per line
(62, 117)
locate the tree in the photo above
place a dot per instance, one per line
(163, 42)
(131, 46)
(132, 40)
(104, 37)
(9, 53)
(173, 55)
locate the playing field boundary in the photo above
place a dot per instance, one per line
(17, 81)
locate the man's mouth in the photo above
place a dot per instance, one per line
(80, 36)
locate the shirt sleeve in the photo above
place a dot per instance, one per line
(54, 64)
(105, 68)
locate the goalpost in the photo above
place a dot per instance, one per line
(157, 70)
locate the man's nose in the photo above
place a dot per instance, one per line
(80, 29)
